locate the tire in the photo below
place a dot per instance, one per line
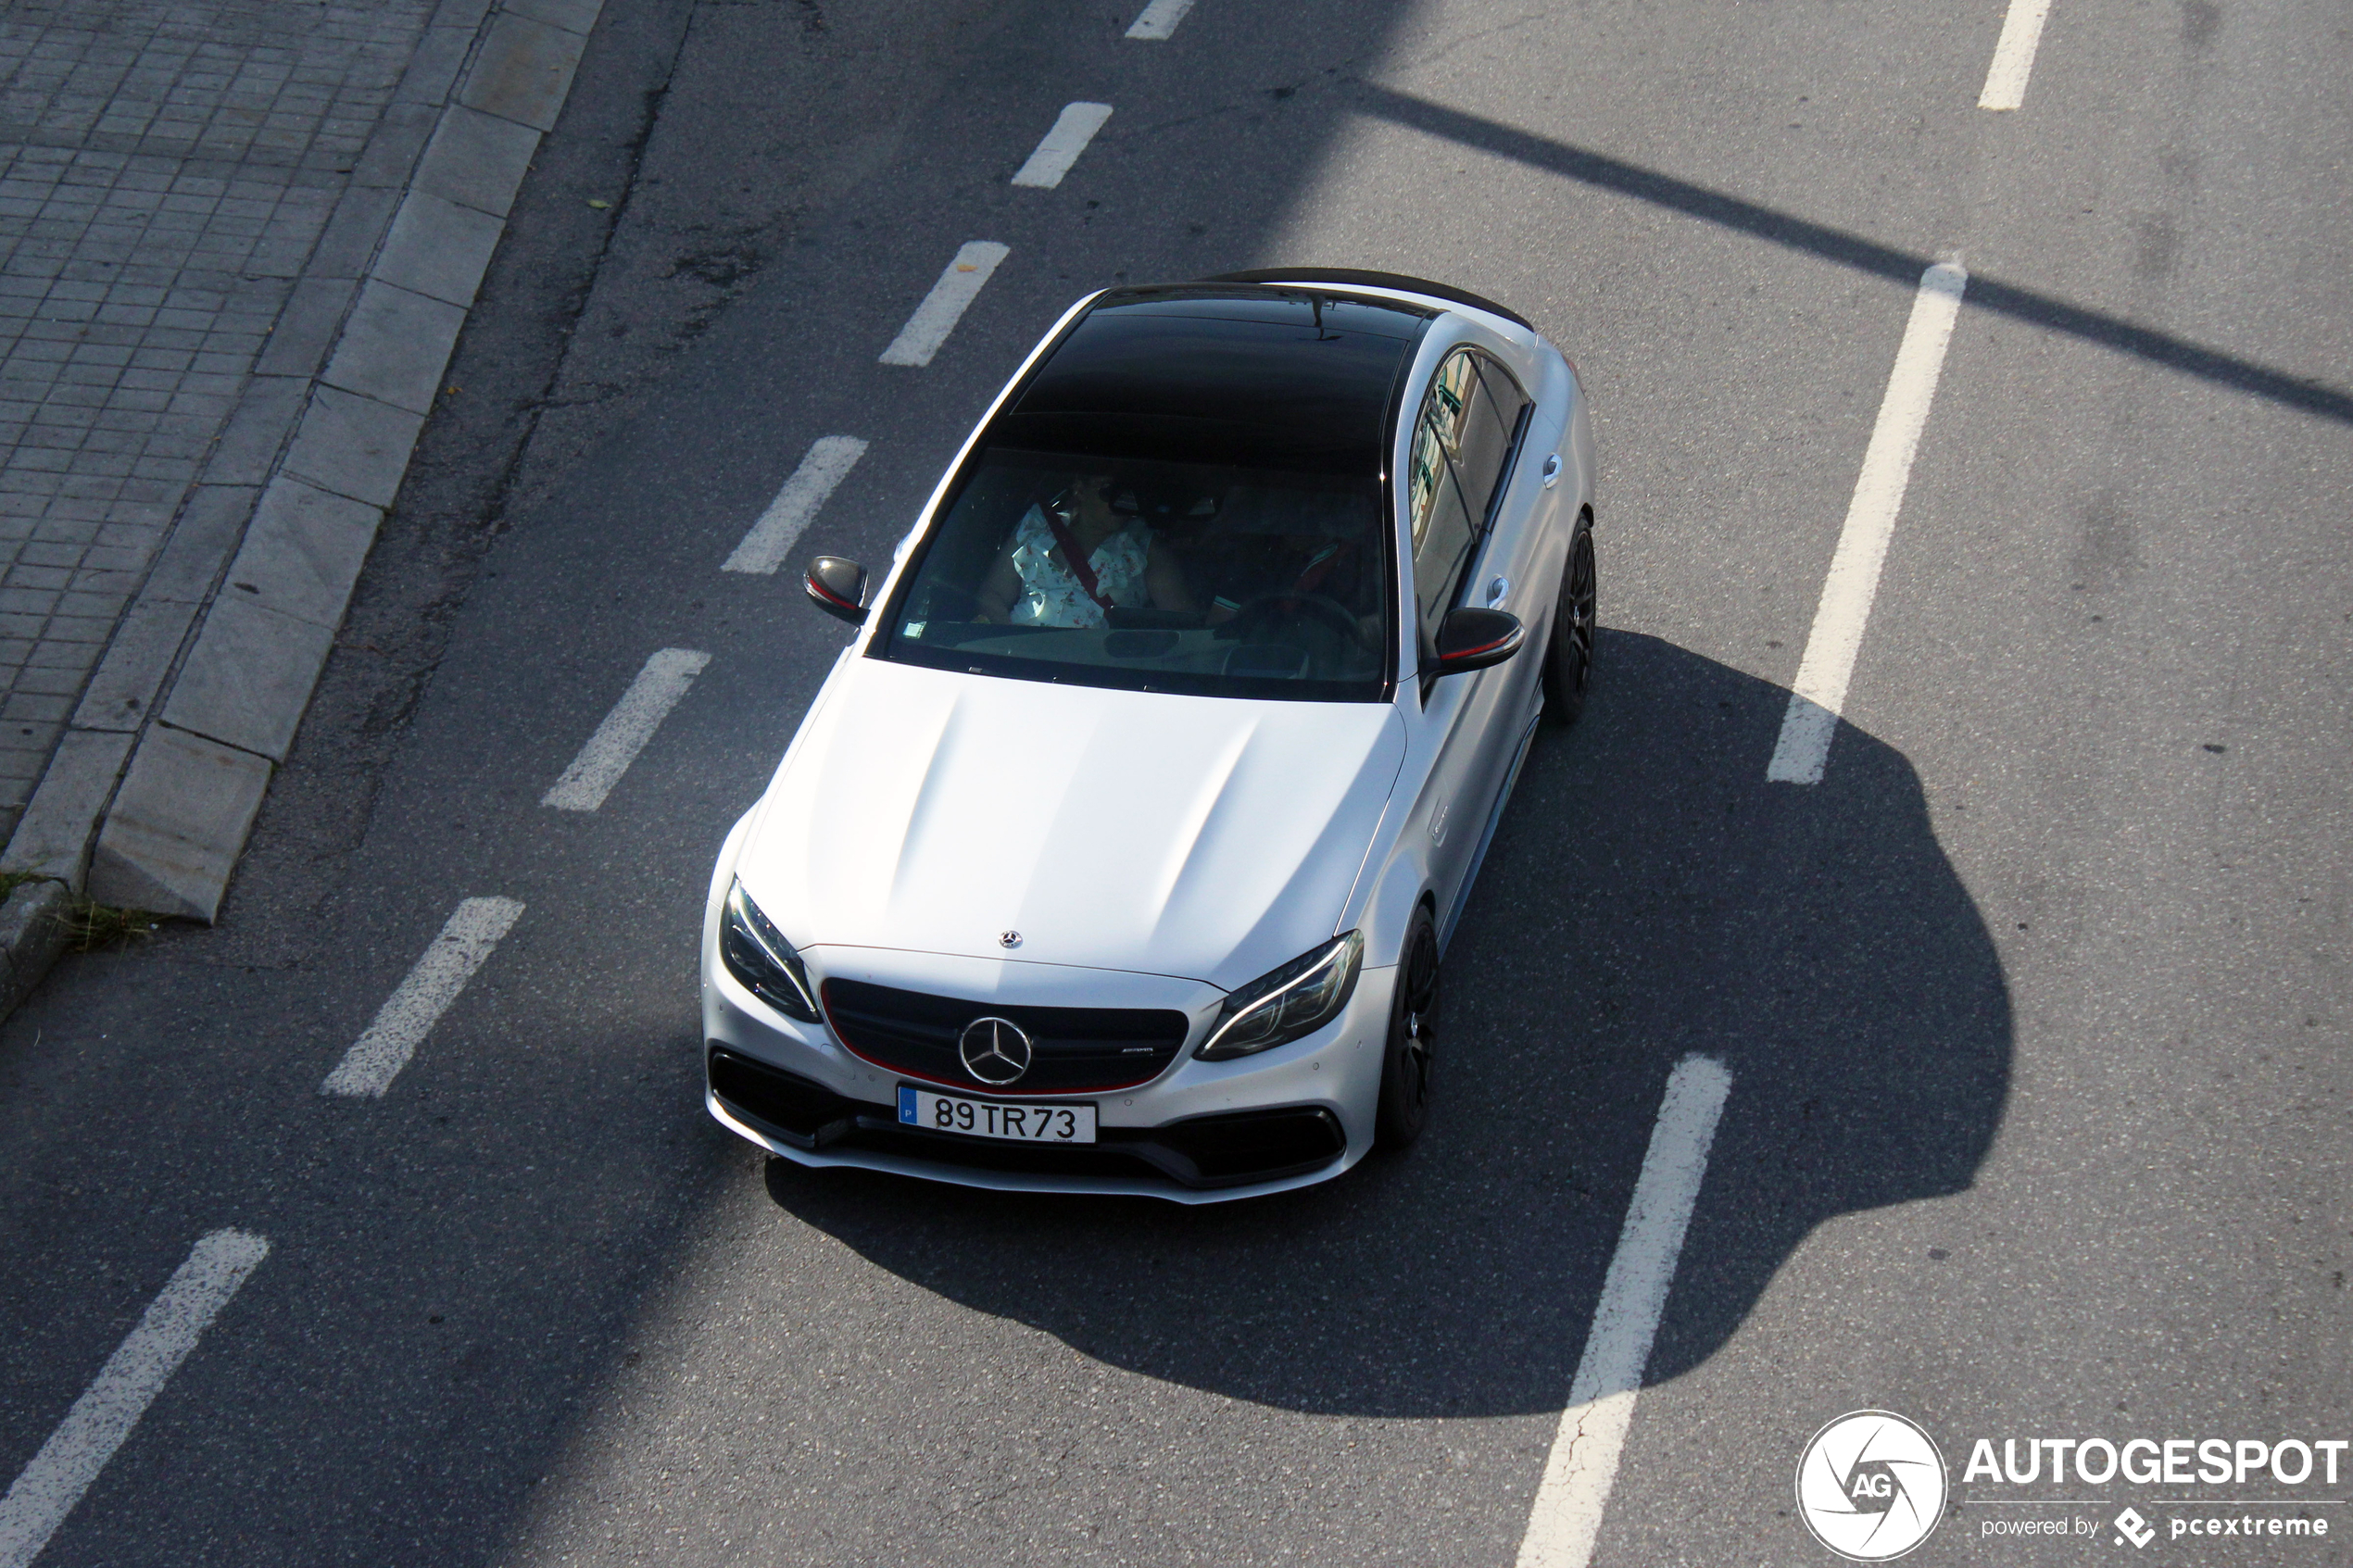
(1405, 1062)
(1568, 661)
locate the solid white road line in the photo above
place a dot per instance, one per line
(828, 463)
(627, 730)
(52, 1482)
(1074, 128)
(1845, 607)
(945, 305)
(2014, 54)
(1566, 1516)
(1160, 18)
(409, 1013)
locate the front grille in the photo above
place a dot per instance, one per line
(1228, 1149)
(1116, 1159)
(1073, 1051)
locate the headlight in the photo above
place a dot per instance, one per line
(756, 954)
(1280, 1007)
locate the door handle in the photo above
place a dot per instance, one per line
(1496, 592)
(1552, 471)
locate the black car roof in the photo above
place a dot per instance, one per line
(1251, 376)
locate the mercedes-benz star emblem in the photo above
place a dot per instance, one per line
(994, 1050)
(1009, 939)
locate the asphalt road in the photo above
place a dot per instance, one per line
(2036, 1008)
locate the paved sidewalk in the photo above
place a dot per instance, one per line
(238, 240)
(165, 172)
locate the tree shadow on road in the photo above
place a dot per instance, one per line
(1647, 896)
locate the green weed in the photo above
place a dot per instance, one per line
(93, 926)
(89, 926)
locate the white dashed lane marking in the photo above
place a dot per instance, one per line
(408, 1016)
(1566, 1517)
(788, 516)
(52, 1482)
(946, 305)
(1160, 18)
(1820, 694)
(1073, 129)
(627, 730)
(2014, 54)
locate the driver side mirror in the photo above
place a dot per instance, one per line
(837, 587)
(1472, 639)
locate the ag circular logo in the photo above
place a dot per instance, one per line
(1870, 1485)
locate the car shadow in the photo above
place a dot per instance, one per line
(1647, 896)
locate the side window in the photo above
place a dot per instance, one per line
(1489, 423)
(1443, 527)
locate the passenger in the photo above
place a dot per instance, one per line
(1074, 559)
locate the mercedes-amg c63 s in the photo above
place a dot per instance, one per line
(1121, 847)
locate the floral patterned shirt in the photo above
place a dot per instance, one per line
(1049, 592)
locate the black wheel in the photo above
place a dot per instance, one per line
(1569, 663)
(1405, 1074)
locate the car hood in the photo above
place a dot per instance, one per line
(1209, 838)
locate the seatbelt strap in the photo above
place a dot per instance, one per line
(1080, 567)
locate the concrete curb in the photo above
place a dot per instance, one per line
(32, 933)
(162, 769)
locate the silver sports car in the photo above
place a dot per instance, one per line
(1120, 850)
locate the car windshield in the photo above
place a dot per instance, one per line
(1186, 497)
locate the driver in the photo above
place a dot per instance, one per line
(1280, 567)
(1079, 555)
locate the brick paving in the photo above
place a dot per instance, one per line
(165, 170)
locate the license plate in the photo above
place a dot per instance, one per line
(991, 1119)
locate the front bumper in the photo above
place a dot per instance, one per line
(1199, 1133)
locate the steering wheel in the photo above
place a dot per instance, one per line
(1325, 608)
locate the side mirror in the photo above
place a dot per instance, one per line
(837, 587)
(1472, 639)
